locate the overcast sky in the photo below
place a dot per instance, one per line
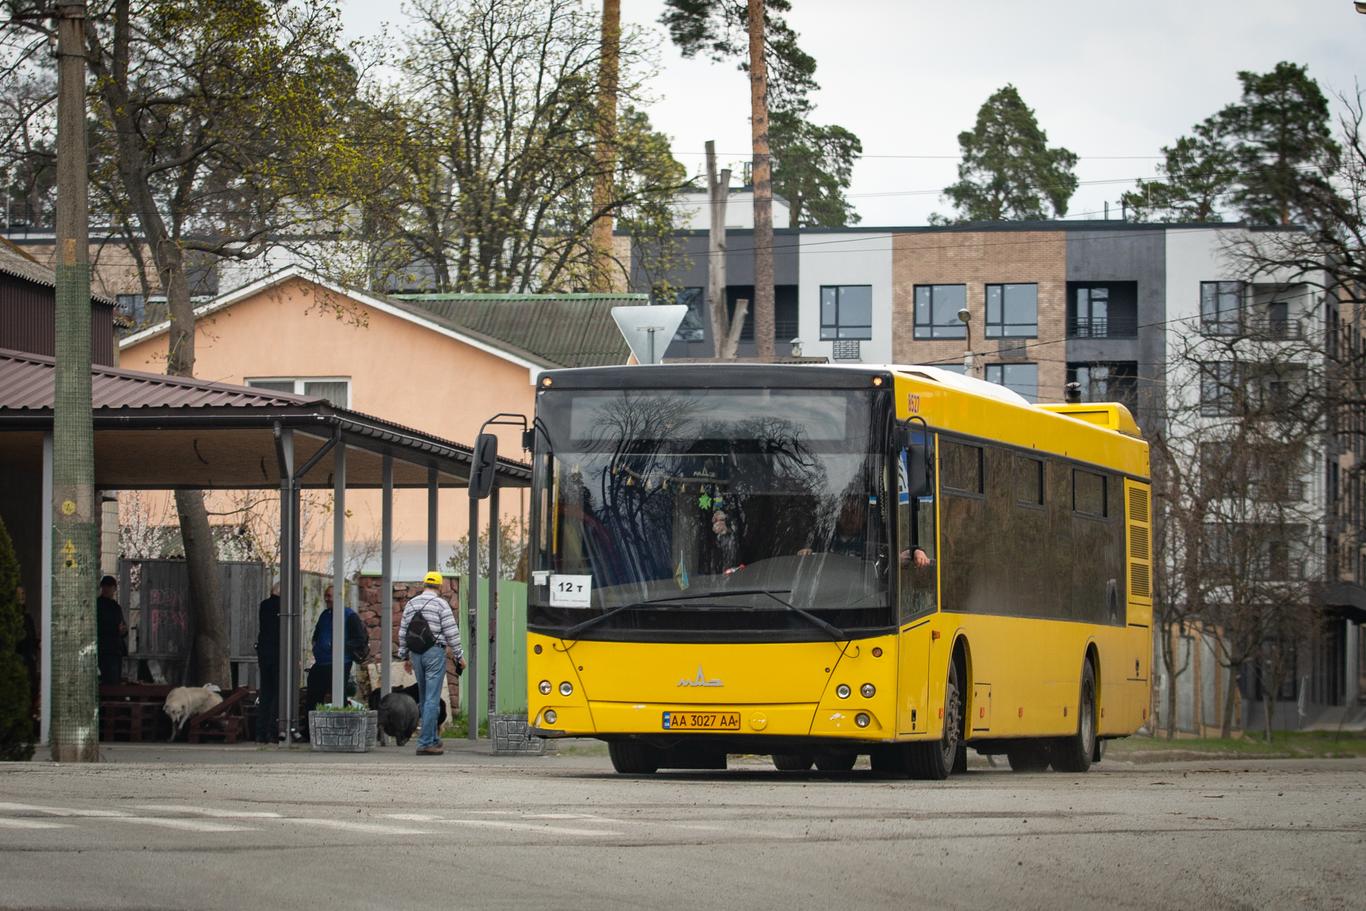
(1111, 81)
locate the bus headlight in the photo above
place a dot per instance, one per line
(867, 690)
(551, 717)
(843, 691)
(544, 687)
(566, 689)
(861, 719)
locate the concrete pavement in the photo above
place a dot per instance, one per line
(180, 827)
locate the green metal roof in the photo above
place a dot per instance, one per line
(556, 330)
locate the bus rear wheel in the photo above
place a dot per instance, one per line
(935, 761)
(631, 758)
(1073, 754)
(792, 762)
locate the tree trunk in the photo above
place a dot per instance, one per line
(604, 265)
(1230, 698)
(718, 191)
(74, 733)
(1270, 686)
(763, 184)
(209, 657)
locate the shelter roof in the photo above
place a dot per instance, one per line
(216, 435)
(558, 330)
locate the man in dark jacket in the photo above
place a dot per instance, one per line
(357, 646)
(110, 630)
(268, 666)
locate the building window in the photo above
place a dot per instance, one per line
(1108, 310)
(1221, 308)
(1218, 384)
(785, 308)
(936, 311)
(1107, 382)
(693, 327)
(846, 312)
(1013, 311)
(334, 390)
(1021, 378)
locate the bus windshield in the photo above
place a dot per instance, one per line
(711, 510)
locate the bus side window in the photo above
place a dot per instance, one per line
(915, 529)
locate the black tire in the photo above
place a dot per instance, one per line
(631, 758)
(892, 759)
(934, 761)
(1073, 753)
(1030, 756)
(792, 762)
(835, 762)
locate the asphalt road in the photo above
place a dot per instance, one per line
(240, 828)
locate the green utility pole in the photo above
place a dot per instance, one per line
(75, 554)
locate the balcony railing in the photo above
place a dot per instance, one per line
(1274, 328)
(1102, 327)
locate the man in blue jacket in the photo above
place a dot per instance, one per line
(357, 648)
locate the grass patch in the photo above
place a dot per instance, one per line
(1292, 744)
(459, 726)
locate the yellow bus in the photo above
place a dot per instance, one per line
(817, 563)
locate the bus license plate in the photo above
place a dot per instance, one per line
(701, 721)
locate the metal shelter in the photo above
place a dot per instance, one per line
(157, 432)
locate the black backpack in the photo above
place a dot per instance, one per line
(419, 636)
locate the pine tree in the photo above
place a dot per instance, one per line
(16, 727)
(812, 167)
(1008, 172)
(1198, 172)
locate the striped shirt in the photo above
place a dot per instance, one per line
(440, 618)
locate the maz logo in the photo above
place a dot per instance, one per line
(700, 680)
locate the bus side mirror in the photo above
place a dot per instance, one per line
(917, 473)
(483, 466)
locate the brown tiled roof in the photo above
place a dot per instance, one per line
(14, 261)
(26, 384)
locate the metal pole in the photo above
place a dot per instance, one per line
(472, 612)
(431, 519)
(386, 580)
(491, 673)
(339, 575)
(296, 617)
(45, 596)
(284, 704)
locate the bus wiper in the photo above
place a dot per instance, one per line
(577, 628)
(834, 631)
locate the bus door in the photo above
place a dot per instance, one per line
(917, 574)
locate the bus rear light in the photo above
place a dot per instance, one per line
(867, 690)
(550, 716)
(862, 719)
(544, 687)
(843, 691)
(566, 688)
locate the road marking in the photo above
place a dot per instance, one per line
(348, 826)
(32, 824)
(209, 811)
(529, 827)
(184, 825)
(58, 811)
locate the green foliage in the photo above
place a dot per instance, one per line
(1008, 172)
(511, 551)
(1283, 144)
(16, 725)
(812, 167)
(1197, 172)
(719, 29)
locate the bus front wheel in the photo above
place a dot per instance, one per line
(1073, 754)
(934, 761)
(792, 762)
(631, 758)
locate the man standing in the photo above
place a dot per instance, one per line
(268, 667)
(429, 664)
(356, 646)
(110, 629)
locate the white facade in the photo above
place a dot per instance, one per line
(694, 214)
(831, 260)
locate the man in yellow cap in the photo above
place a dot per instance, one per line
(426, 632)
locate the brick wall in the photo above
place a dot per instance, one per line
(371, 613)
(975, 259)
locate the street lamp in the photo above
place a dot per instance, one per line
(969, 361)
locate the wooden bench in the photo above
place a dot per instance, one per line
(225, 722)
(133, 712)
